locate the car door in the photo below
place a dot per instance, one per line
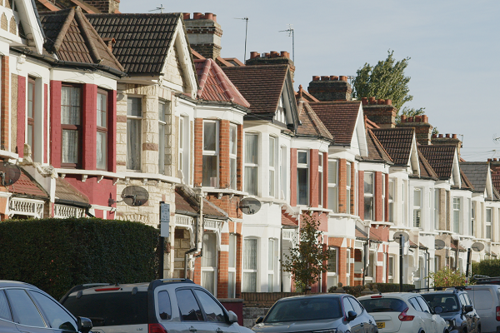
(367, 322)
(190, 312)
(7, 324)
(215, 313)
(422, 318)
(166, 315)
(472, 317)
(356, 325)
(433, 322)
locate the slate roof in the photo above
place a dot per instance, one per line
(397, 142)
(376, 151)
(477, 173)
(440, 157)
(260, 85)
(186, 202)
(339, 118)
(142, 40)
(66, 191)
(370, 124)
(27, 186)
(311, 125)
(72, 38)
(466, 184)
(214, 85)
(426, 170)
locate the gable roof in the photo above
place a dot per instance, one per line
(142, 40)
(339, 118)
(397, 142)
(186, 203)
(214, 85)
(376, 151)
(72, 38)
(311, 125)
(426, 170)
(260, 85)
(27, 186)
(476, 173)
(465, 182)
(441, 158)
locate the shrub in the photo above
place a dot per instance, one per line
(56, 254)
(356, 291)
(489, 267)
(448, 278)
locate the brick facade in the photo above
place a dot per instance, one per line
(21, 114)
(4, 103)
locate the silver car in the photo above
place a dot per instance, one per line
(325, 313)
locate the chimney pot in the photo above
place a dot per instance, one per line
(209, 16)
(434, 135)
(254, 54)
(325, 78)
(372, 100)
(285, 54)
(425, 119)
(440, 135)
(364, 101)
(274, 54)
(215, 17)
(197, 16)
(489, 159)
(267, 55)
(343, 78)
(448, 135)
(315, 78)
(381, 101)
(388, 102)
(403, 118)
(454, 136)
(411, 119)
(418, 119)
(186, 16)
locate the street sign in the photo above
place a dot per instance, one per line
(164, 219)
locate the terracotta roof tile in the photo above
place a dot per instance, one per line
(260, 85)
(306, 95)
(142, 40)
(376, 151)
(27, 186)
(441, 158)
(311, 125)
(185, 201)
(66, 191)
(196, 55)
(288, 220)
(339, 118)
(426, 170)
(397, 142)
(214, 85)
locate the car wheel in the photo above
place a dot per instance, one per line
(478, 329)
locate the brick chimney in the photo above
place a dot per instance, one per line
(448, 139)
(494, 165)
(271, 58)
(105, 6)
(423, 129)
(380, 111)
(330, 88)
(204, 34)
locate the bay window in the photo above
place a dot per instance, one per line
(249, 265)
(209, 262)
(31, 116)
(71, 125)
(102, 130)
(333, 185)
(134, 133)
(320, 180)
(302, 178)
(162, 131)
(456, 214)
(233, 152)
(368, 196)
(417, 208)
(272, 164)
(210, 153)
(251, 163)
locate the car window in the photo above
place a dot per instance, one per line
(423, 304)
(4, 307)
(304, 309)
(415, 304)
(23, 308)
(213, 311)
(462, 299)
(347, 305)
(57, 316)
(164, 305)
(467, 299)
(383, 305)
(188, 306)
(356, 306)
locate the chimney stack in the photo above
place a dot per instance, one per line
(447, 140)
(380, 111)
(271, 58)
(330, 88)
(204, 34)
(423, 130)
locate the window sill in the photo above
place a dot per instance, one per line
(223, 191)
(8, 154)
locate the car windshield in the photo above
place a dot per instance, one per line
(383, 305)
(449, 302)
(109, 309)
(302, 309)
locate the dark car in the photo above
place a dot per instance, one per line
(458, 309)
(338, 313)
(25, 308)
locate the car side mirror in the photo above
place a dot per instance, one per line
(468, 308)
(259, 320)
(84, 324)
(351, 315)
(438, 309)
(233, 317)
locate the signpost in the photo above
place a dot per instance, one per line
(164, 233)
(401, 237)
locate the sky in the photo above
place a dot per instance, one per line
(453, 46)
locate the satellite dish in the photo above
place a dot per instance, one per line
(397, 236)
(250, 206)
(439, 244)
(135, 195)
(478, 247)
(9, 174)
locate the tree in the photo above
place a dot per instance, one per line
(448, 278)
(307, 259)
(386, 80)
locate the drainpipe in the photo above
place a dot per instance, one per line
(197, 239)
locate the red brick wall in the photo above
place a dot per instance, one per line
(325, 180)
(313, 177)
(342, 186)
(46, 121)
(4, 103)
(224, 172)
(239, 160)
(55, 123)
(222, 271)
(21, 114)
(361, 195)
(112, 131)
(89, 128)
(386, 202)
(198, 151)
(378, 196)
(293, 177)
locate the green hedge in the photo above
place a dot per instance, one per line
(356, 291)
(56, 254)
(489, 267)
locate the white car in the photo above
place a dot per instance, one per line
(403, 312)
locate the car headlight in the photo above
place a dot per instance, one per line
(331, 330)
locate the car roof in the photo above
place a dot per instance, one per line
(329, 295)
(389, 295)
(10, 284)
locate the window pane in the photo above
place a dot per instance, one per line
(251, 148)
(249, 282)
(332, 261)
(164, 305)
(57, 316)
(488, 215)
(162, 110)
(161, 148)
(208, 281)
(70, 106)
(232, 140)
(70, 146)
(368, 183)
(134, 106)
(332, 172)
(4, 307)
(134, 144)
(332, 198)
(302, 157)
(271, 182)
(348, 171)
(251, 180)
(25, 312)
(210, 171)
(272, 146)
(271, 255)
(231, 285)
(416, 198)
(232, 173)
(209, 136)
(209, 258)
(250, 258)
(303, 186)
(31, 89)
(101, 110)
(101, 150)
(232, 251)
(270, 282)
(188, 306)
(368, 208)
(213, 310)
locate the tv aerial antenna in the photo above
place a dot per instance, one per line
(161, 8)
(9, 173)
(291, 33)
(246, 34)
(133, 196)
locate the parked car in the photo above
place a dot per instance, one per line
(160, 306)
(25, 308)
(404, 312)
(486, 301)
(327, 313)
(457, 307)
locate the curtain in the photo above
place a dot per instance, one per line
(101, 151)
(69, 146)
(134, 144)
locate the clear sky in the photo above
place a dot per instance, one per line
(454, 46)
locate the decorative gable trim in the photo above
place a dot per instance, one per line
(358, 139)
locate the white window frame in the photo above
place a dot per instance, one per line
(135, 166)
(333, 182)
(307, 185)
(457, 212)
(391, 270)
(233, 241)
(320, 180)
(162, 132)
(488, 222)
(272, 263)
(333, 276)
(246, 269)
(210, 269)
(233, 156)
(417, 207)
(348, 188)
(283, 172)
(392, 187)
(272, 166)
(249, 165)
(214, 181)
(369, 195)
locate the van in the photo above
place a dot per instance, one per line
(486, 299)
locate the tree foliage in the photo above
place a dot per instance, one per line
(386, 80)
(309, 258)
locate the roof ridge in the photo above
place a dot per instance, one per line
(204, 76)
(64, 29)
(82, 23)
